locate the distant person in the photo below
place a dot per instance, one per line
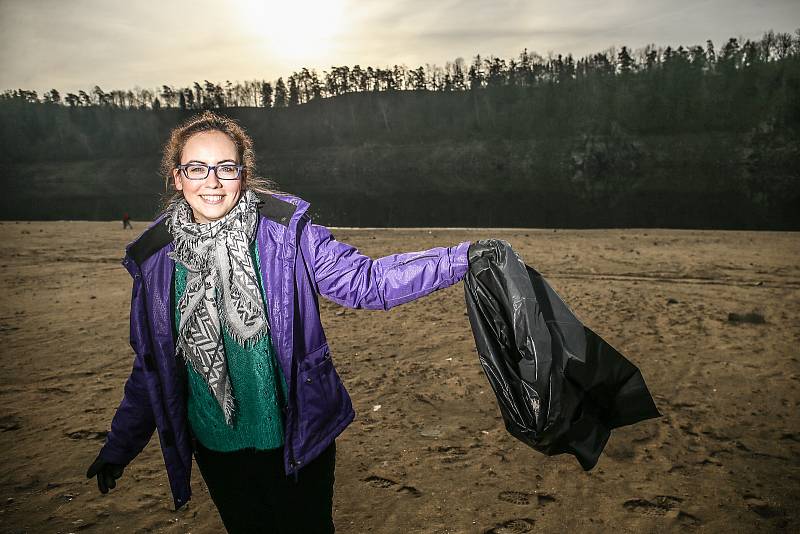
(232, 365)
(126, 221)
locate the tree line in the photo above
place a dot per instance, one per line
(745, 89)
(528, 69)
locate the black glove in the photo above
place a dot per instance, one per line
(106, 472)
(482, 246)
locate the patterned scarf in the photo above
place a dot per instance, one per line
(222, 291)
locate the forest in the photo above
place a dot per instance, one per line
(694, 136)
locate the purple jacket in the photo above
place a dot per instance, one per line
(299, 260)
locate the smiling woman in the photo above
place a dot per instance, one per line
(210, 176)
(232, 366)
(296, 30)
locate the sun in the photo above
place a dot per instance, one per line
(296, 31)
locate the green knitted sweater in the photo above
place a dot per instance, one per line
(258, 420)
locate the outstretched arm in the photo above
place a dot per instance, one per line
(351, 279)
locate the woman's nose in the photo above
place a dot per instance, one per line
(212, 180)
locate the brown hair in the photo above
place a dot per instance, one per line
(208, 121)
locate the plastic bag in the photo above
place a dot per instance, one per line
(560, 387)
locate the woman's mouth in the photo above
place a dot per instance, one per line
(212, 199)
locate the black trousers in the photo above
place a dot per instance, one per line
(252, 493)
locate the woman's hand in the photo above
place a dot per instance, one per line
(482, 246)
(107, 474)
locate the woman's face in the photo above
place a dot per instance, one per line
(212, 198)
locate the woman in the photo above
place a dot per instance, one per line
(231, 361)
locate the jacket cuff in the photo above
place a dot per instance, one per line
(113, 455)
(459, 262)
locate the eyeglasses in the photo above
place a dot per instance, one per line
(200, 171)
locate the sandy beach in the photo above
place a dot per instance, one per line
(428, 452)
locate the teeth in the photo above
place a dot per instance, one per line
(212, 197)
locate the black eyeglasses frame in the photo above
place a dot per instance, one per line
(183, 168)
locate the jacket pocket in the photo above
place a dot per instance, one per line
(323, 401)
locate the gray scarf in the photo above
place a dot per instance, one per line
(222, 291)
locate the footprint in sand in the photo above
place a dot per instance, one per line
(449, 455)
(512, 526)
(379, 482)
(684, 518)
(663, 505)
(658, 506)
(411, 490)
(761, 507)
(544, 498)
(514, 497)
(86, 434)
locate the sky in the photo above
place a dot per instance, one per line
(77, 44)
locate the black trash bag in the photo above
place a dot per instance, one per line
(561, 388)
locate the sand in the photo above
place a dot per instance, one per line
(435, 457)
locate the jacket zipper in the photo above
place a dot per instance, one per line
(293, 391)
(417, 258)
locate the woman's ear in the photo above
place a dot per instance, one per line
(176, 176)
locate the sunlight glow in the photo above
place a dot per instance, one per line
(296, 32)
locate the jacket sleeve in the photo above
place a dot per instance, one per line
(351, 279)
(133, 423)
